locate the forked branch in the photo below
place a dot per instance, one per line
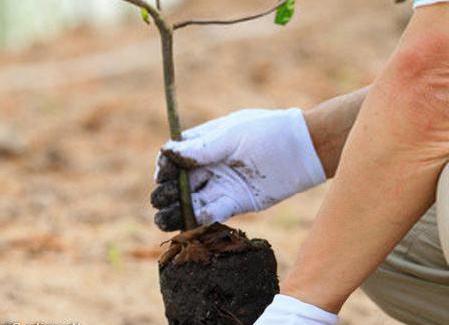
(154, 12)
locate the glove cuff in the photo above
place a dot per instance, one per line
(297, 312)
(310, 162)
(421, 3)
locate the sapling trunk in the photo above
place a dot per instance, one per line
(174, 123)
(166, 34)
(285, 9)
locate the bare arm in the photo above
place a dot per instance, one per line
(329, 125)
(388, 171)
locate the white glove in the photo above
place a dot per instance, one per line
(248, 161)
(290, 311)
(420, 3)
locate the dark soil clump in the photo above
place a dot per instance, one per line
(216, 275)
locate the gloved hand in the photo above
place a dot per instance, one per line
(290, 311)
(420, 3)
(246, 161)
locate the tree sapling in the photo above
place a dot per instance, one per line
(210, 274)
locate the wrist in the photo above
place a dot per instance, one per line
(313, 292)
(319, 139)
(329, 124)
(310, 164)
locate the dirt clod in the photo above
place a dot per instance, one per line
(216, 275)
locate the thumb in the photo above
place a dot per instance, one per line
(198, 152)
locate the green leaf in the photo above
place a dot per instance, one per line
(285, 13)
(145, 15)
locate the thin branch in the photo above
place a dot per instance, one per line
(229, 21)
(158, 5)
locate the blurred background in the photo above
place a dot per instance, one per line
(82, 117)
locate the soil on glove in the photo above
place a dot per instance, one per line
(216, 275)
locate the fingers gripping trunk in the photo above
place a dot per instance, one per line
(244, 162)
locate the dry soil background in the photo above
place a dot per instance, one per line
(81, 119)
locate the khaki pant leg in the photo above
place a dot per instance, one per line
(412, 285)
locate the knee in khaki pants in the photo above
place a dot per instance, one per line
(443, 210)
(412, 285)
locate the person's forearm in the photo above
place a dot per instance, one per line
(388, 171)
(330, 123)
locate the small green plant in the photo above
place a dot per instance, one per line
(284, 12)
(114, 255)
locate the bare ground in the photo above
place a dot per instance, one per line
(82, 119)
